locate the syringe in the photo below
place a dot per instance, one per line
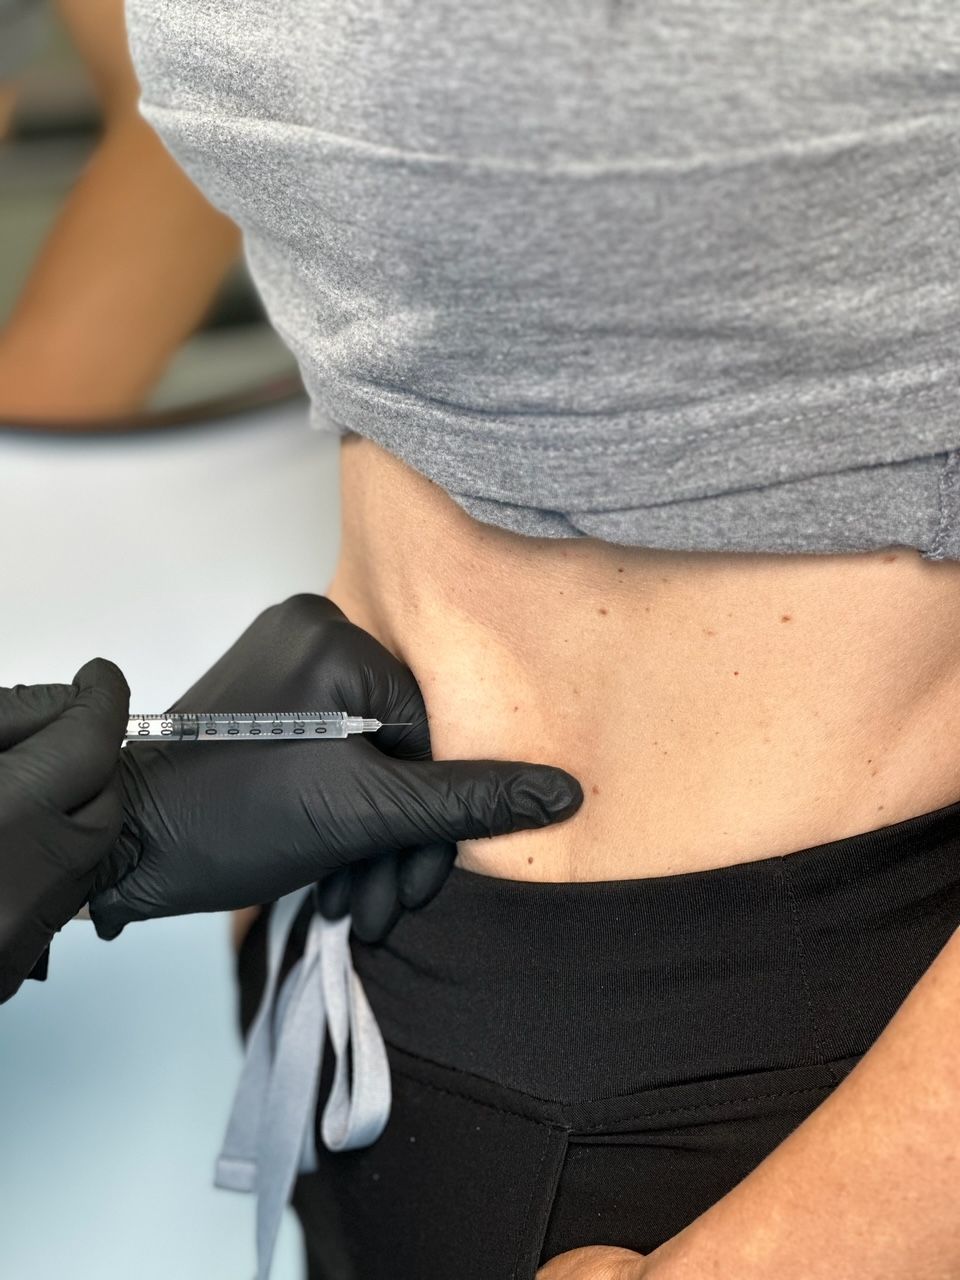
(248, 726)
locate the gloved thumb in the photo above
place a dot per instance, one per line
(69, 760)
(27, 708)
(450, 800)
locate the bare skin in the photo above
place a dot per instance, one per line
(717, 708)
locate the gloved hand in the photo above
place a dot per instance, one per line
(218, 826)
(59, 805)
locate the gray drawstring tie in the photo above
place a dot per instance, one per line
(270, 1133)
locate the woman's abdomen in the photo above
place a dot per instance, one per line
(716, 708)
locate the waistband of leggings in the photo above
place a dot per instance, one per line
(590, 990)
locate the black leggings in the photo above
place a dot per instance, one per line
(599, 1063)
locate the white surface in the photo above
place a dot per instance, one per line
(116, 1074)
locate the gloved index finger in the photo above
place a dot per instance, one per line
(26, 708)
(71, 759)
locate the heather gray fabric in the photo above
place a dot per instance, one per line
(677, 275)
(21, 27)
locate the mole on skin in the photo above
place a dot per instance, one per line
(595, 789)
(601, 611)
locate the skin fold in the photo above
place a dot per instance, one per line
(715, 708)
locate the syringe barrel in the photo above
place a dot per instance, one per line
(174, 726)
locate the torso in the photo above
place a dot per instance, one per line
(716, 708)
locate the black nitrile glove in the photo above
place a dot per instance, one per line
(218, 826)
(59, 806)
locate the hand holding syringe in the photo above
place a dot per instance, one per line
(379, 820)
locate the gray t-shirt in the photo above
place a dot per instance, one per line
(670, 273)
